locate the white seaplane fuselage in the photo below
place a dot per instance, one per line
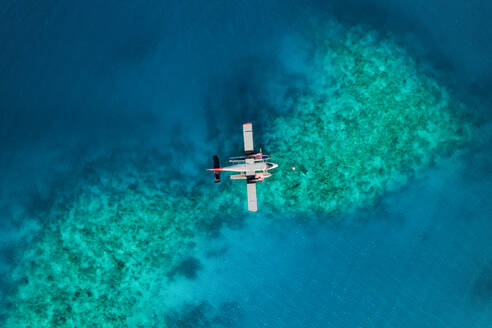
(249, 168)
(262, 166)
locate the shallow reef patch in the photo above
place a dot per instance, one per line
(368, 121)
(188, 268)
(108, 243)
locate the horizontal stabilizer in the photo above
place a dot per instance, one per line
(216, 169)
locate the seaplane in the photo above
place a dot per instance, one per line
(252, 167)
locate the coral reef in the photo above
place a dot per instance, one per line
(120, 231)
(369, 121)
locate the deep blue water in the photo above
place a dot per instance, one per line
(80, 78)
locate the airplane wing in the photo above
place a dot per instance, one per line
(249, 149)
(257, 158)
(252, 203)
(248, 138)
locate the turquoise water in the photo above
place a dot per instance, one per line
(418, 260)
(109, 114)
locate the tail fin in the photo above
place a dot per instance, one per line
(216, 166)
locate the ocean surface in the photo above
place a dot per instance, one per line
(107, 106)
